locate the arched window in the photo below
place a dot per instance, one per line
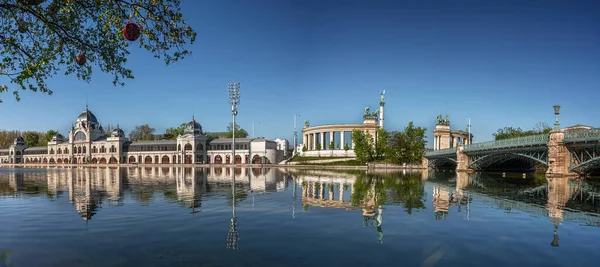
(199, 147)
(66, 151)
(59, 151)
(79, 136)
(94, 149)
(79, 150)
(51, 150)
(102, 149)
(113, 149)
(179, 147)
(18, 153)
(83, 149)
(187, 147)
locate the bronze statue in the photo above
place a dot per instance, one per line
(442, 120)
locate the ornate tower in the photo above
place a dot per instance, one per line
(381, 104)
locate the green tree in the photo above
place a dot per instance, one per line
(514, 132)
(7, 138)
(31, 138)
(40, 40)
(381, 147)
(108, 128)
(142, 133)
(407, 146)
(318, 146)
(304, 148)
(49, 135)
(363, 146)
(346, 147)
(239, 132)
(331, 146)
(172, 133)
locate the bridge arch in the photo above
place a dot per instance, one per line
(590, 164)
(482, 162)
(441, 163)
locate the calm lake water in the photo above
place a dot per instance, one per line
(183, 217)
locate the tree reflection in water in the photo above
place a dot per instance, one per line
(371, 191)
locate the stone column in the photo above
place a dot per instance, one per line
(305, 141)
(323, 145)
(342, 140)
(322, 194)
(314, 141)
(424, 163)
(341, 192)
(462, 160)
(331, 139)
(331, 197)
(558, 155)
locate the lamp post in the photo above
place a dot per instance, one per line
(234, 100)
(556, 112)
(469, 130)
(253, 128)
(295, 134)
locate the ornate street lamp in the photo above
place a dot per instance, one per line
(556, 112)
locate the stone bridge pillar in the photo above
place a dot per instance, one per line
(425, 163)
(462, 160)
(558, 155)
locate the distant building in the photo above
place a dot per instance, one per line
(87, 144)
(283, 145)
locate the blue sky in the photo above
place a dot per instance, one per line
(500, 63)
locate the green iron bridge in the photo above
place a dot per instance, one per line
(578, 151)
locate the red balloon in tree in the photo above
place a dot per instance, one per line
(131, 31)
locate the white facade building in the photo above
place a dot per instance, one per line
(88, 144)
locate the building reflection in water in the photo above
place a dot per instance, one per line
(443, 197)
(365, 192)
(89, 189)
(559, 193)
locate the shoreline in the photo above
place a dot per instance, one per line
(286, 166)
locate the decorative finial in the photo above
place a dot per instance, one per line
(86, 103)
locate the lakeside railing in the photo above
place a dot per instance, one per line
(440, 152)
(531, 140)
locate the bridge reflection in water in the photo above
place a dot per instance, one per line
(367, 194)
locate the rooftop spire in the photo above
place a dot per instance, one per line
(86, 103)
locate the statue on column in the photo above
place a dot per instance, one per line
(306, 124)
(381, 98)
(442, 120)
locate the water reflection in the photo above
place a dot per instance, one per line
(364, 196)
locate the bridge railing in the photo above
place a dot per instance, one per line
(531, 140)
(582, 135)
(440, 152)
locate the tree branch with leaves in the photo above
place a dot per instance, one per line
(41, 38)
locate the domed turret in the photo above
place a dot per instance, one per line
(117, 132)
(87, 115)
(58, 138)
(20, 140)
(193, 128)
